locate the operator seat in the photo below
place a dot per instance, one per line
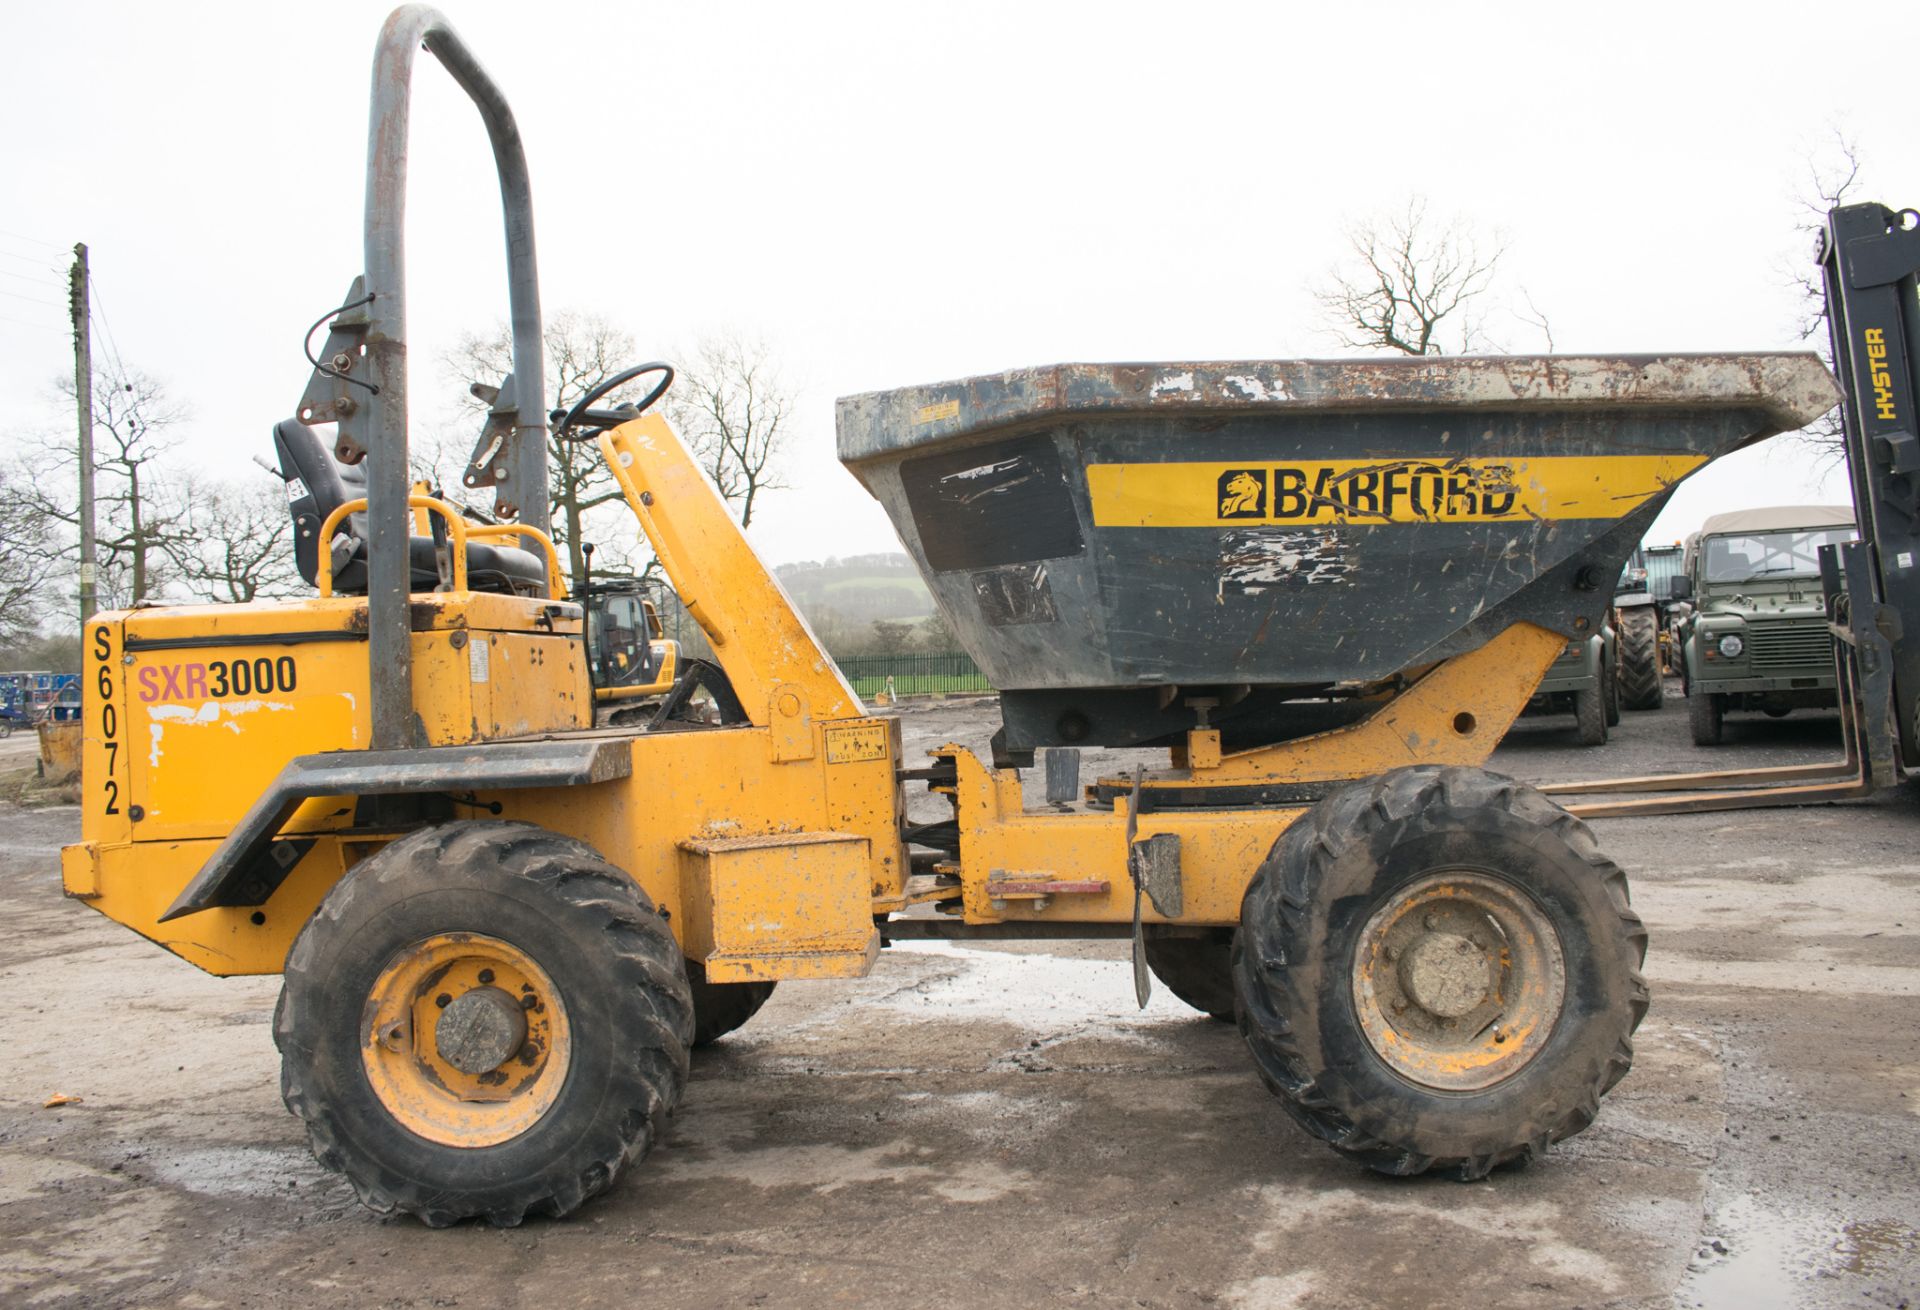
(318, 484)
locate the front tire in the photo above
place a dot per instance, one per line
(1590, 715)
(483, 1019)
(1438, 970)
(1706, 715)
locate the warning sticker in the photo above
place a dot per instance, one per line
(850, 743)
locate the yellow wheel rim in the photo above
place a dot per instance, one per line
(465, 1040)
(1458, 981)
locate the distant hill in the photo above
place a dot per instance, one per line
(858, 588)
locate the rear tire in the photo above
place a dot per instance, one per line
(719, 1008)
(1590, 716)
(1706, 715)
(524, 920)
(1640, 685)
(1316, 997)
(1196, 968)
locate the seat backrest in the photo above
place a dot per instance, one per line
(317, 484)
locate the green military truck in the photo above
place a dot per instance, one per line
(1756, 635)
(1583, 681)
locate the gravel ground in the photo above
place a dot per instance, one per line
(1003, 1128)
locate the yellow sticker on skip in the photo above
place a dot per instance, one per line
(1380, 490)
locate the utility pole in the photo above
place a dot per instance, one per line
(81, 307)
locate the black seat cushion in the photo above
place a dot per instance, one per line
(318, 484)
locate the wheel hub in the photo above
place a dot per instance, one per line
(1458, 980)
(465, 1040)
(481, 1030)
(1445, 974)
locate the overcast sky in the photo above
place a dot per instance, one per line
(902, 193)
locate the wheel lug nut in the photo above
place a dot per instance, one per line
(528, 1001)
(486, 977)
(443, 1000)
(1392, 953)
(1432, 921)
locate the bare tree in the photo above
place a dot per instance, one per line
(239, 542)
(583, 350)
(140, 516)
(23, 573)
(728, 403)
(1832, 179)
(1413, 284)
(732, 408)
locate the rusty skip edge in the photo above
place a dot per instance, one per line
(1786, 390)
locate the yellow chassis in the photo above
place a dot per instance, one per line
(774, 847)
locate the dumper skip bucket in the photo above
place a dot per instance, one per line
(1098, 535)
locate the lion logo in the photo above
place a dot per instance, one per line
(1243, 493)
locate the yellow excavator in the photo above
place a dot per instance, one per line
(1323, 590)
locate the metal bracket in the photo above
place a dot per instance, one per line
(1155, 866)
(491, 461)
(330, 397)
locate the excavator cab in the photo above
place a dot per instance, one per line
(628, 652)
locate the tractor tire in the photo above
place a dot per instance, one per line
(1610, 683)
(719, 1008)
(1640, 685)
(1197, 969)
(1706, 715)
(1512, 1009)
(1590, 716)
(551, 1012)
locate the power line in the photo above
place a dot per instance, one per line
(32, 241)
(100, 312)
(32, 300)
(25, 277)
(38, 261)
(20, 322)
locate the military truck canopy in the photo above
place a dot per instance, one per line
(1778, 518)
(1734, 561)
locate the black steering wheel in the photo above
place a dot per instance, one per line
(584, 415)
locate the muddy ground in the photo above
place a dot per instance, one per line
(1003, 1128)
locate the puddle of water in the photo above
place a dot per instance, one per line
(1761, 1259)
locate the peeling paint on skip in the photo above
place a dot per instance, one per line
(1255, 559)
(1171, 384)
(1251, 387)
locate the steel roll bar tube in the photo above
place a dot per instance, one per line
(388, 484)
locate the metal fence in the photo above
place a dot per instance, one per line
(913, 675)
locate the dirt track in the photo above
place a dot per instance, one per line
(1003, 1128)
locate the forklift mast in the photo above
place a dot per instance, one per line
(1869, 256)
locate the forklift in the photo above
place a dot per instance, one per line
(1323, 589)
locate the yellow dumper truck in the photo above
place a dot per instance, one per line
(1324, 589)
